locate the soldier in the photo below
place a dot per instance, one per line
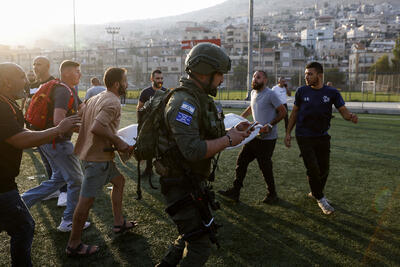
(196, 132)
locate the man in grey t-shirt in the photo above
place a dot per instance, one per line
(96, 88)
(267, 110)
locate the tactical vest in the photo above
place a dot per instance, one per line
(211, 126)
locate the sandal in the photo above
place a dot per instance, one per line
(74, 252)
(123, 228)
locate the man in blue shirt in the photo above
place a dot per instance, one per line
(96, 88)
(312, 111)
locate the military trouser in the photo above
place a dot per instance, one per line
(192, 252)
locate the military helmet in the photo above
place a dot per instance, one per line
(207, 58)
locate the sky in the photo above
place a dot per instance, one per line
(24, 19)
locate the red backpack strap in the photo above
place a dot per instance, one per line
(71, 99)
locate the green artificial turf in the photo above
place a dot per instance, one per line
(363, 187)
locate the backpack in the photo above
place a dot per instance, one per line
(152, 124)
(41, 104)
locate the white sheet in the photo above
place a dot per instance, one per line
(130, 132)
(233, 119)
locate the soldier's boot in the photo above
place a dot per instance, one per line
(232, 193)
(271, 198)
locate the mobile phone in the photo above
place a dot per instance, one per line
(251, 126)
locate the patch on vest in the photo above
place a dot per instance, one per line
(188, 107)
(185, 119)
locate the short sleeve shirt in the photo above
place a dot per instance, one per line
(61, 97)
(315, 109)
(281, 92)
(92, 91)
(106, 109)
(147, 93)
(10, 157)
(263, 107)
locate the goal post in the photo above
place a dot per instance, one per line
(368, 86)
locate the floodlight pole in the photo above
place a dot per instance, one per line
(113, 31)
(250, 50)
(73, 6)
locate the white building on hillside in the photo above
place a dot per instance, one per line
(309, 37)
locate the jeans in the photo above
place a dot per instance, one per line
(261, 150)
(66, 170)
(48, 168)
(315, 153)
(16, 220)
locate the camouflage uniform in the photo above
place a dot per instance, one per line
(191, 118)
(188, 129)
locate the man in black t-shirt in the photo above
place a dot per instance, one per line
(312, 113)
(156, 79)
(65, 165)
(15, 218)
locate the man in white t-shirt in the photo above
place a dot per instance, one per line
(282, 91)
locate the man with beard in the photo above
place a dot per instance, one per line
(267, 109)
(100, 122)
(195, 132)
(156, 79)
(312, 111)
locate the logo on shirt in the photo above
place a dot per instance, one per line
(306, 99)
(326, 99)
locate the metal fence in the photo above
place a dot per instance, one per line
(141, 61)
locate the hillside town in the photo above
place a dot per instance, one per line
(347, 39)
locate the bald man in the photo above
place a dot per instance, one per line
(15, 218)
(41, 68)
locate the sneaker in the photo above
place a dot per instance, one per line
(270, 199)
(325, 206)
(66, 226)
(231, 193)
(62, 199)
(310, 195)
(52, 195)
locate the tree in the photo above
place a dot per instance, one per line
(396, 59)
(335, 76)
(240, 74)
(382, 65)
